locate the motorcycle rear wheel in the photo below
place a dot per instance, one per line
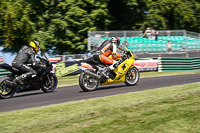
(50, 83)
(87, 83)
(5, 90)
(132, 76)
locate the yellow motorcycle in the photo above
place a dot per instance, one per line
(91, 76)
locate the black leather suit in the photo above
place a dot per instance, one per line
(25, 55)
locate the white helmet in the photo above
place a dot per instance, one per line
(116, 40)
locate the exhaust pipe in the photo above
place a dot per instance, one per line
(93, 74)
(10, 83)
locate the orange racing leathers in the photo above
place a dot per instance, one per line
(107, 48)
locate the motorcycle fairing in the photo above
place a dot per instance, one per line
(10, 68)
(120, 72)
(85, 66)
(89, 63)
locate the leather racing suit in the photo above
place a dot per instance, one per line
(25, 54)
(107, 48)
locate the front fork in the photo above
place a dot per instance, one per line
(132, 74)
(48, 80)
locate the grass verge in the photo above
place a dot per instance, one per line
(68, 80)
(168, 110)
(168, 73)
(73, 80)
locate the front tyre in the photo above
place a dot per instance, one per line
(49, 83)
(87, 83)
(132, 76)
(5, 90)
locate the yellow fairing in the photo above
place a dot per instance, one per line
(121, 70)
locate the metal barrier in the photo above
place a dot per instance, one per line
(182, 40)
(193, 34)
(178, 64)
(3, 72)
(95, 38)
(73, 57)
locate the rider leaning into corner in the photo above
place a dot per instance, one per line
(108, 47)
(25, 55)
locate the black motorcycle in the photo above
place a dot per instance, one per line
(44, 80)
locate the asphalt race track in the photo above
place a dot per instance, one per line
(71, 93)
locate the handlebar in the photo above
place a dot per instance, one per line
(39, 57)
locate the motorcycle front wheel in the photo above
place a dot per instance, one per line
(5, 90)
(132, 76)
(87, 83)
(49, 83)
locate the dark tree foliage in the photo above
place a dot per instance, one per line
(61, 25)
(126, 14)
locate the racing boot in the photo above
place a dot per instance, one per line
(106, 72)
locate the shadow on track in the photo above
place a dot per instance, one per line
(31, 94)
(107, 88)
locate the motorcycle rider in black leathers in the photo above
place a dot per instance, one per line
(25, 55)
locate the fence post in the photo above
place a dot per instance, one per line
(184, 33)
(124, 33)
(89, 41)
(160, 64)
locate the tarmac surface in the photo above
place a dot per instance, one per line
(38, 98)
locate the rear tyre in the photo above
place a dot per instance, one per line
(87, 83)
(132, 76)
(50, 83)
(5, 90)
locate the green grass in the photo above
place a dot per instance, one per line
(164, 110)
(68, 80)
(169, 73)
(73, 80)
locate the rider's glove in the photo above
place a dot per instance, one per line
(36, 64)
(128, 53)
(115, 56)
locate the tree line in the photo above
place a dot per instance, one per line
(61, 25)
